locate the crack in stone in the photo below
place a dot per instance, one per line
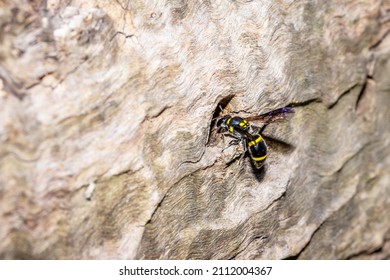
(380, 40)
(362, 92)
(345, 93)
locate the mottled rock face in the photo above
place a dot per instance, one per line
(108, 139)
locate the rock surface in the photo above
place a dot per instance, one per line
(108, 147)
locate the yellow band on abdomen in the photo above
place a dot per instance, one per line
(256, 141)
(259, 158)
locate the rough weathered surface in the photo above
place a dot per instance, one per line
(108, 148)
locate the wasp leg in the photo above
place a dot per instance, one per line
(235, 141)
(244, 144)
(225, 133)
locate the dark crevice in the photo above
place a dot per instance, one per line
(128, 172)
(362, 92)
(121, 33)
(217, 114)
(149, 221)
(125, 9)
(370, 252)
(349, 90)
(221, 106)
(304, 103)
(233, 160)
(297, 255)
(38, 80)
(380, 40)
(156, 115)
(193, 161)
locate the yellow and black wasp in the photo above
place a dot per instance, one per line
(250, 135)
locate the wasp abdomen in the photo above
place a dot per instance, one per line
(258, 148)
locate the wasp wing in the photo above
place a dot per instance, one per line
(247, 135)
(277, 115)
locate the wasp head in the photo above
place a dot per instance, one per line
(221, 123)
